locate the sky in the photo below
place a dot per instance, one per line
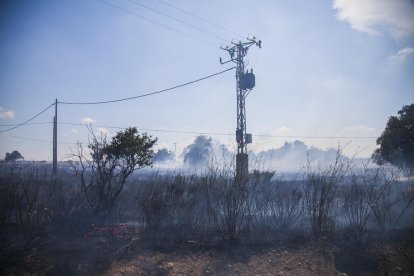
(326, 69)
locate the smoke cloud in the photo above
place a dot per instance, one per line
(205, 152)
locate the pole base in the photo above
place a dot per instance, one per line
(242, 165)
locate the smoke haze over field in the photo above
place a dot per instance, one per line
(291, 157)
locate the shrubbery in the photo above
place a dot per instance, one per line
(212, 207)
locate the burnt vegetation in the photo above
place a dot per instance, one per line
(341, 205)
(358, 217)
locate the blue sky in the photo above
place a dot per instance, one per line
(326, 68)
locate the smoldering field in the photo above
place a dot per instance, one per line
(345, 208)
(213, 205)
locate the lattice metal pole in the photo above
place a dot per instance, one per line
(55, 140)
(244, 83)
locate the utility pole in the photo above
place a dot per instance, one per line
(245, 81)
(55, 141)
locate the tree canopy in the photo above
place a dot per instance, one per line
(104, 174)
(11, 157)
(130, 149)
(397, 140)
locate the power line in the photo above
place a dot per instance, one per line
(157, 23)
(262, 135)
(151, 93)
(179, 20)
(28, 124)
(35, 140)
(212, 133)
(227, 134)
(34, 117)
(200, 18)
(317, 137)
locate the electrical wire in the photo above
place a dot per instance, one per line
(212, 133)
(200, 18)
(227, 134)
(317, 137)
(157, 23)
(148, 94)
(180, 21)
(35, 140)
(34, 117)
(28, 124)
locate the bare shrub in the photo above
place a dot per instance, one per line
(23, 205)
(25, 199)
(32, 212)
(357, 199)
(65, 202)
(166, 204)
(405, 199)
(9, 196)
(275, 206)
(376, 196)
(320, 187)
(393, 196)
(32, 200)
(151, 205)
(226, 199)
(285, 208)
(217, 205)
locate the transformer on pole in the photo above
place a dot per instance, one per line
(245, 82)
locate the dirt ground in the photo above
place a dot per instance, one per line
(68, 253)
(241, 260)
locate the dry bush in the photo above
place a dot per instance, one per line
(226, 198)
(404, 190)
(9, 195)
(357, 199)
(165, 206)
(363, 198)
(66, 205)
(215, 205)
(25, 196)
(376, 197)
(285, 208)
(393, 197)
(275, 206)
(320, 192)
(32, 200)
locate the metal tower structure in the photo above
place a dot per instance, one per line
(245, 81)
(55, 140)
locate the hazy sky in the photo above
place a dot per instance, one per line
(326, 68)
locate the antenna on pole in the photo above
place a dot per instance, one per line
(245, 81)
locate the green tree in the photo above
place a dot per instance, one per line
(12, 157)
(103, 173)
(397, 141)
